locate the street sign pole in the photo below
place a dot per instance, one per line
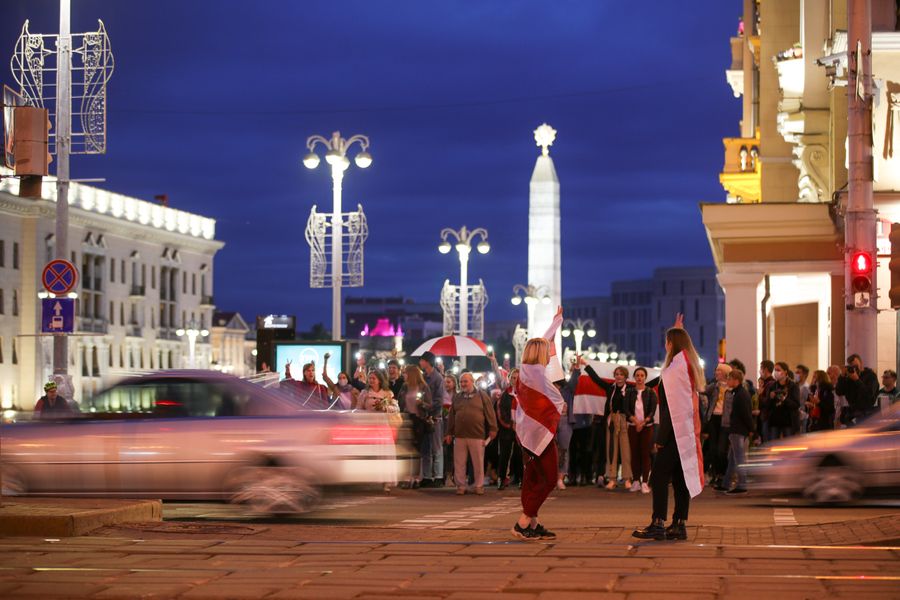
(63, 140)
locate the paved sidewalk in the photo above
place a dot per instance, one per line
(111, 568)
(64, 517)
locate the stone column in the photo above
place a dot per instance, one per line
(743, 321)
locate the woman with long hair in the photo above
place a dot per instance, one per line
(377, 397)
(451, 386)
(415, 402)
(539, 406)
(679, 459)
(821, 403)
(506, 435)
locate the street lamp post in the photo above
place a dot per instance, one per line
(578, 328)
(191, 332)
(530, 294)
(336, 156)
(464, 238)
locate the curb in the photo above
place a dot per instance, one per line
(70, 517)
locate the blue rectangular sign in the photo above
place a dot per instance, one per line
(57, 315)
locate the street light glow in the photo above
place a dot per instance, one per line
(591, 332)
(311, 160)
(516, 300)
(445, 247)
(566, 332)
(484, 247)
(363, 160)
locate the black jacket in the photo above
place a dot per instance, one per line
(615, 400)
(784, 405)
(742, 422)
(648, 399)
(860, 394)
(665, 433)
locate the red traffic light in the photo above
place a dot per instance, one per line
(861, 263)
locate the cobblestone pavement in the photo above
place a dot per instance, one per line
(251, 567)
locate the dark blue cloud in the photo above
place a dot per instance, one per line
(212, 101)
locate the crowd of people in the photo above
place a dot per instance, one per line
(464, 426)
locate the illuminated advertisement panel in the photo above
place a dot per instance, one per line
(300, 353)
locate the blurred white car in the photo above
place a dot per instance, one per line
(833, 466)
(199, 434)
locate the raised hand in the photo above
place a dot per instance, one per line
(559, 311)
(679, 321)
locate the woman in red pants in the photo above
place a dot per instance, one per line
(539, 406)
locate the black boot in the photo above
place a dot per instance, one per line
(656, 530)
(677, 530)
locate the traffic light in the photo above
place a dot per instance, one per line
(861, 264)
(894, 292)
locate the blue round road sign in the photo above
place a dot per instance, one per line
(59, 276)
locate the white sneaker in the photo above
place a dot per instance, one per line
(645, 489)
(635, 487)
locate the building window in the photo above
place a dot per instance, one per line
(702, 286)
(111, 354)
(194, 284)
(112, 270)
(95, 362)
(682, 287)
(121, 313)
(2, 304)
(153, 277)
(112, 312)
(696, 309)
(15, 356)
(122, 271)
(15, 255)
(681, 306)
(1, 350)
(2, 253)
(15, 308)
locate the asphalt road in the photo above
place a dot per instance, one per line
(567, 510)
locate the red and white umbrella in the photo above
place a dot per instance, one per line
(453, 345)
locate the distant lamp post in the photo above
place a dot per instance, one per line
(578, 328)
(530, 294)
(191, 332)
(464, 240)
(336, 157)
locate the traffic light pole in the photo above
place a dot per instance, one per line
(861, 322)
(63, 146)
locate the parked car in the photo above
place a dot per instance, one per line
(199, 435)
(833, 466)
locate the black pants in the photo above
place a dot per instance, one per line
(506, 439)
(668, 468)
(581, 456)
(715, 452)
(598, 446)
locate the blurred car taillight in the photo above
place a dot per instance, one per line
(362, 434)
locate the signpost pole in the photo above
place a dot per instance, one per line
(63, 141)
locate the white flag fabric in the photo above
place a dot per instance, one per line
(684, 408)
(538, 403)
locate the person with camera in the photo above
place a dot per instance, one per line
(859, 385)
(784, 404)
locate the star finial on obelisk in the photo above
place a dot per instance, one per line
(544, 136)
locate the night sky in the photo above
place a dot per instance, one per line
(211, 103)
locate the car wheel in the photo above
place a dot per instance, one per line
(273, 489)
(833, 483)
(13, 484)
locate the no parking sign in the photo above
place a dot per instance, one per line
(59, 277)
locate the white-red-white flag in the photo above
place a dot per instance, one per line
(539, 403)
(684, 408)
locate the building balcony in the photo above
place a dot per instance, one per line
(207, 301)
(137, 292)
(166, 334)
(741, 174)
(134, 330)
(91, 325)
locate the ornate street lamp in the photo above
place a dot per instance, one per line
(464, 240)
(579, 328)
(336, 157)
(191, 332)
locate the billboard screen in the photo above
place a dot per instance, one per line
(300, 353)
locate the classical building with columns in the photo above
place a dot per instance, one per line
(778, 240)
(145, 271)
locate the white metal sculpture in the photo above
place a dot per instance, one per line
(477, 299)
(92, 63)
(319, 235)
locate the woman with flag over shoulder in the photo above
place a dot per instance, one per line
(679, 458)
(539, 405)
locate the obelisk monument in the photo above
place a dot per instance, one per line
(544, 255)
